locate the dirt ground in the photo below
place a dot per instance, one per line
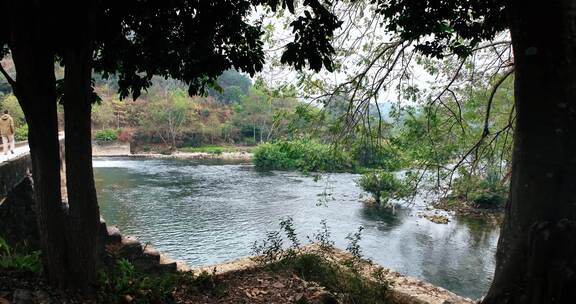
(257, 286)
(250, 286)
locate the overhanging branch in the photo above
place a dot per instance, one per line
(491, 99)
(11, 81)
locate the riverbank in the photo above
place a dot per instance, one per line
(401, 289)
(466, 209)
(248, 280)
(118, 149)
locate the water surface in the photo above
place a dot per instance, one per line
(207, 212)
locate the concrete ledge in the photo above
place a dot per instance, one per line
(13, 172)
(110, 149)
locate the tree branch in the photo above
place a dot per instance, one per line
(491, 99)
(11, 81)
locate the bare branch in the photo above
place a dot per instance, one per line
(447, 87)
(491, 99)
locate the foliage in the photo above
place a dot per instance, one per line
(383, 186)
(223, 38)
(323, 238)
(165, 115)
(339, 278)
(21, 133)
(10, 103)
(215, 149)
(19, 258)
(353, 245)
(482, 191)
(106, 135)
(442, 27)
(376, 155)
(304, 155)
(316, 264)
(233, 87)
(122, 280)
(121, 283)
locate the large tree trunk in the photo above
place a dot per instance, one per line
(536, 257)
(84, 216)
(35, 90)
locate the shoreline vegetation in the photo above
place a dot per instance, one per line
(468, 210)
(336, 275)
(310, 156)
(281, 269)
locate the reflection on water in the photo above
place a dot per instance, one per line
(208, 212)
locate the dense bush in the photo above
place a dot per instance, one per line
(21, 133)
(105, 135)
(486, 192)
(378, 156)
(304, 155)
(383, 186)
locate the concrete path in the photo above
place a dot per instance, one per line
(21, 149)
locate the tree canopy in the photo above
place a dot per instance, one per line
(441, 27)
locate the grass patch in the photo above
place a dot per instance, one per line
(345, 279)
(123, 284)
(215, 149)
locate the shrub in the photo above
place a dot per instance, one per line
(19, 258)
(122, 281)
(21, 133)
(343, 278)
(383, 186)
(482, 192)
(304, 155)
(105, 135)
(375, 156)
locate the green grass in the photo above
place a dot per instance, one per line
(215, 149)
(19, 258)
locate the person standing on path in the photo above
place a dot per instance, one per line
(7, 132)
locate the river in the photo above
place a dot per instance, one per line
(207, 212)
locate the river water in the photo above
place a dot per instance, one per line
(207, 212)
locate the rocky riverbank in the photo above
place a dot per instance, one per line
(468, 210)
(401, 289)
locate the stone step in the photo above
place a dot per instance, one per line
(145, 258)
(131, 247)
(113, 235)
